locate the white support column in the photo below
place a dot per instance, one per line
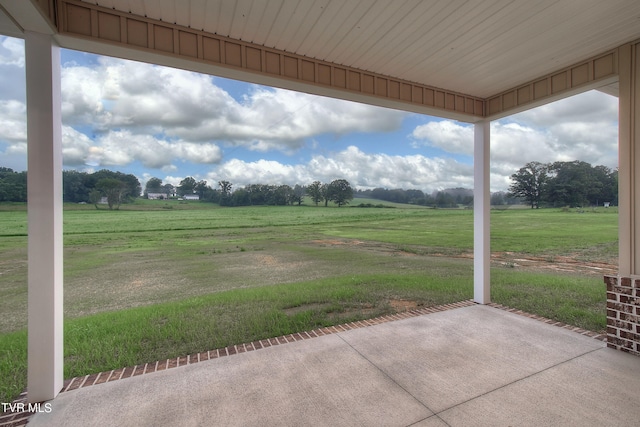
(481, 213)
(629, 161)
(44, 174)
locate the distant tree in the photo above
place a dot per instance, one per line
(240, 197)
(169, 189)
(609, 186)
(498, 198)
(225, 192)
(153, 185)
(75, 187)
(114, 190)
(201, 188)
(187, 186)
(131, 183)
(13, 185)
(569, 183)
(281, 195)
(298, 194)
(314, 190)
(379, 193)
(325, 192)
(340, 192)
(398, 195)
(258, 194)
(445, 200)
(94, 197)
(414, 196)
(577, 183)
(363, 193)
(529, 183)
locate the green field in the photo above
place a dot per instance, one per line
(161, 279)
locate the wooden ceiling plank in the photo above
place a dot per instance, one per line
(254, 18)
(338, 20)
(374, 48)
(313, 16)
(151, 9)
(197, 14)
(225, 19)
(238, 23)
(280, 23)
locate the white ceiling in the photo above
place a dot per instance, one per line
(473, 47)
(479, 48)
(8, 26)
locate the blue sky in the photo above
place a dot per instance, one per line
(159, 122)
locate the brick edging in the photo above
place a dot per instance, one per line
(591, 334)
(19, 419)
(16, 419)
(132, 371)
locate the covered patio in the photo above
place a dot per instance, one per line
(458, 365)
(470, 61)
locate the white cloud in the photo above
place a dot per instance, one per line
(12, 52)
(583, 128)
(12, 69)
(19, 148)
(120, 113)
(76, 148)
(447, 135)
(241, 173)
(173, 180)
(13, 134)
(124, 147)
(144, 98)
(361, 169)
(13, 125)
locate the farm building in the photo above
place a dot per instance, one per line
(157, 196)
(473, 62)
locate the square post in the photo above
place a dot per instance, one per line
(629, 160)
(44, 194)
(481, 213)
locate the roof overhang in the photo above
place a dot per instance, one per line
(467, 61)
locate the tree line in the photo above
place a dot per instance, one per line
(115, 188)
(338, 191)
(13, 185)
(447, 198)
(77, 187)
(573, 184)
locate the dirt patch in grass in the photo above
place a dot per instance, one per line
(558, 264)
(402, 305)
(135, 278)
(290, 311)
(339, 313)
(572, 263)
(336, 242)
(364, 311)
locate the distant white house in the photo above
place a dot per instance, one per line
(191, 197)
(157, 196)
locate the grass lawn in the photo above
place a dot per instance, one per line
(161, 279)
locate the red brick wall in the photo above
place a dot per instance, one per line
(623, 313)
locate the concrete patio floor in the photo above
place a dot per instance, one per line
(469, 366)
